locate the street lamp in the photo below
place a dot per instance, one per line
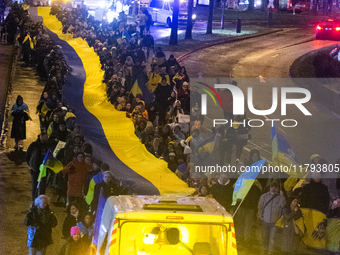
(222, 18)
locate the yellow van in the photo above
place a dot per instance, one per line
(165, 225)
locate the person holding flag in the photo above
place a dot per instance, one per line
(247, 190)
(36, 153)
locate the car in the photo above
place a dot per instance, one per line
(162, 10)
(328, 29)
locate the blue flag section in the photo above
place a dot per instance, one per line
(246, 180)
(96, 230)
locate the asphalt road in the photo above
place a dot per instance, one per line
(271, 56)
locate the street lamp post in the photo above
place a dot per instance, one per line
(222, 18)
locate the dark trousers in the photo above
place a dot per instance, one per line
(141, 28)
(225, 151)
(42, 186)
(239, 147)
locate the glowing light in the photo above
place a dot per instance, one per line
(149, 239)
(102, 5)
(318, 27)
(258, 3)
(194, 16)
(110, 15)
(330, 19)
(337, 28)
(185, 233)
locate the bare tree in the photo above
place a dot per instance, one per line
(210, 17)
(174, 24)
(251, 5)
(188, 32)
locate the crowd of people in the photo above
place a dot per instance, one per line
(124, 55)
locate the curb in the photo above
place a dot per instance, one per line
(4, 110)
(225, 41)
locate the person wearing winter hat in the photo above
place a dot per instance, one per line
(74, 245)
(19, 116)
(315, 159)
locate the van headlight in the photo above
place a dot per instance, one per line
(102, 4)
(194, 16)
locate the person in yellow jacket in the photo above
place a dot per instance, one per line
(154, 78)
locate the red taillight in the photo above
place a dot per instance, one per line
(330, 19)
(337, 28)
(318, 27)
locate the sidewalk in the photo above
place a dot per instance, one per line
(15, 179)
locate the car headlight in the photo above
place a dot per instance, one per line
(102, 4)
(193, 16)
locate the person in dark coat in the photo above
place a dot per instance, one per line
(228, 138)
(162, 93)
(245, 217)
(40, 221)
(20, 116)
(315, 195)
(109, 188)
(34, 157)
(290, 238)
(73, 217)
(75, 245)
(222, 191)
(86, 228)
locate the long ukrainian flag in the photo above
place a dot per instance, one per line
(109, 131)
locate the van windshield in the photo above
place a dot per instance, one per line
(172, 238)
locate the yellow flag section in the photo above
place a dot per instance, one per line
(118, 129)
(315, 224)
